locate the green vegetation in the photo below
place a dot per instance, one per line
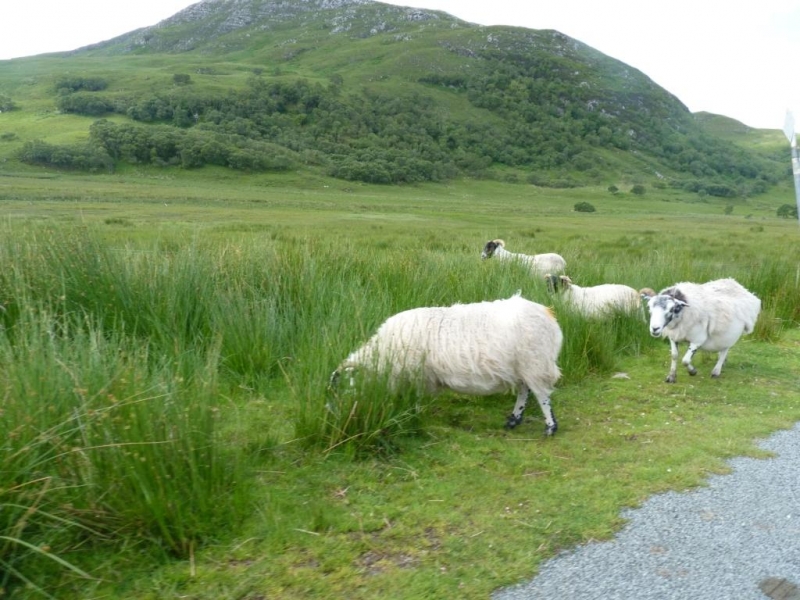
(167, 344)
(439, 99)
(787, 211)
(193, 239)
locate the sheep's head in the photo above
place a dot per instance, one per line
(557, 282)
(490, 247)
(348, 371)
(665, 308)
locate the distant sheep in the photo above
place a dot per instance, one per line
(710, 316)
(479, 349)
(597, 300)
(537, 263)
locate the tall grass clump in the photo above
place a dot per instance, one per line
(372, 413)
(369, 417)
(102, 441)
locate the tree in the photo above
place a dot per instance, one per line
(787, 211)
(6, 103)
(638, 189)
(583, 207)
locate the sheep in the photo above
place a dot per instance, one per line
(537, 263)
(597, 300)
(478, 349)
(711, 316)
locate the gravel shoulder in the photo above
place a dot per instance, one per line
(721, 541)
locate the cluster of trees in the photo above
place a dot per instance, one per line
(6, 103)
(67, 85)
(787, 211)
(163, 145)
(86, 157)
(540, 119)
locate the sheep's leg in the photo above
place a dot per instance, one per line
(543, 397)
(687, 359)
(515, 418)
(715, 372)
(673, 367)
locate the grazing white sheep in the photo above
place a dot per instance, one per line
(710, 316)
(597, 300)
(537, 263)
(480, 349)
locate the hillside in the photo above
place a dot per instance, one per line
(365, 91)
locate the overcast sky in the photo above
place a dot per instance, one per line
(738, 59)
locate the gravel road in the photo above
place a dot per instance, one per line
(727, 541)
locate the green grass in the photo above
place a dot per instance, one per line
(166, 346)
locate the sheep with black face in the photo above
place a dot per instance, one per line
(540, 264)
(711, 316)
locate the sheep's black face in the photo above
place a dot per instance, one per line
(663, 311)
(488, 249)
(553, 283)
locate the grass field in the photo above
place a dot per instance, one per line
(165, 349)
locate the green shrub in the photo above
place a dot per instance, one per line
(583, 207)
(787, 211)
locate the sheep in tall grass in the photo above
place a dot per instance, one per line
(598, 300)
(478, 349)
(537, 263)
(711, 316)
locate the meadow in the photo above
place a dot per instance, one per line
(167, 339)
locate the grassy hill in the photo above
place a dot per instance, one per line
(363, 91)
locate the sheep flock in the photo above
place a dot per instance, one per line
(492, 347)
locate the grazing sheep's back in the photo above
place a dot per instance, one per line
(481, 348)
(489, 347)
(602, 299)
(548, 263)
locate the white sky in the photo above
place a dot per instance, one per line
(738, 59)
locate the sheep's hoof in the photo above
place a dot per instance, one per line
(692, 371)
(551, 429)
(715, 375)
(671, 378)
(512, 421)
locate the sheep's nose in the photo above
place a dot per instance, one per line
(655, 331)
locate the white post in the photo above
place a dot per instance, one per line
(788, 130)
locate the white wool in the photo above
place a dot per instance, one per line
(711, 316)
(601, 299)
(481, 348)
